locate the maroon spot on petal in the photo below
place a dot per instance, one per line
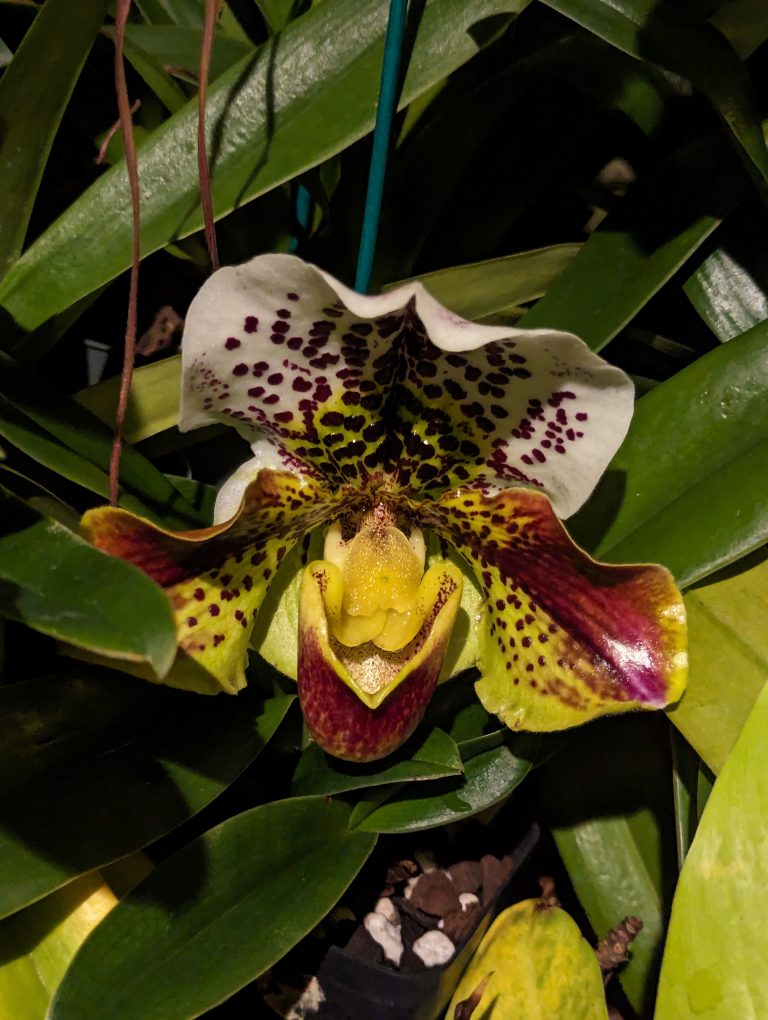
(191, 621)
(240, 369)
(251, 324)
(292, 296)
(214, 610)
(232, 343)
(199, 594)
(302, 385)
(217, 639)
(273, 398)
(255, 391)
(284, 416)
(283, 313)
(275, 379)
(581, 416)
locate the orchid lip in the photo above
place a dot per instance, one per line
(370, 671)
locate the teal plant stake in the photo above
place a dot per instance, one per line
(393, 46)
(303, 205)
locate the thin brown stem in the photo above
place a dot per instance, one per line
(129, 352)
(112, 132)
(202, 153)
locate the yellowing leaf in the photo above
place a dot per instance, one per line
(37, 944)
(714, 962)
(540, 968)
(728, 659)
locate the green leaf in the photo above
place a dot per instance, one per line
(178, 46)
(482, 289)
(456, 709)
(239, 898)
(97, 764)
(743, 23)
(79, 430)
(433, 756)
(154, 403)
(728, 652)
(608, 799)
(41, 446)
(689, 486)
(58, 584)
(686, 768)
(173, 12)
(627, 260)
(725, 295)
(438, 179)
(277, 13)
(488, 778)
(666, 34)
(717, 943)
(32, 105)
(274, 116)
(729, 289)
(168, 91)
(201, 495)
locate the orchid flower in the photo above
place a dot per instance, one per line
(428, 460)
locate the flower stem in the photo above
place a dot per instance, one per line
(129, 349)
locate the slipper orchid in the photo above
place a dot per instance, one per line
(430, 459)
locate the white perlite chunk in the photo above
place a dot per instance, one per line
(310, 1002)
(387, 909)
(467, 899)
(387, 936)
(433, 948)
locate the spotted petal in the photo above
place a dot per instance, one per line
(217, 577)
(567, 639)
(395, 388)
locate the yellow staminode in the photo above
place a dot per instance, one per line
(376, 587)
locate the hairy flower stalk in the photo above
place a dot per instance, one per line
(428, 459)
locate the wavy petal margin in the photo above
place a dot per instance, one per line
(216, 578)
(567, 639)
(362, 703)
(352, 389)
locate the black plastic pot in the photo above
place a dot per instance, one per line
(356, 989)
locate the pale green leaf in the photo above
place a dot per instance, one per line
(728, 649)
(717, 944)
